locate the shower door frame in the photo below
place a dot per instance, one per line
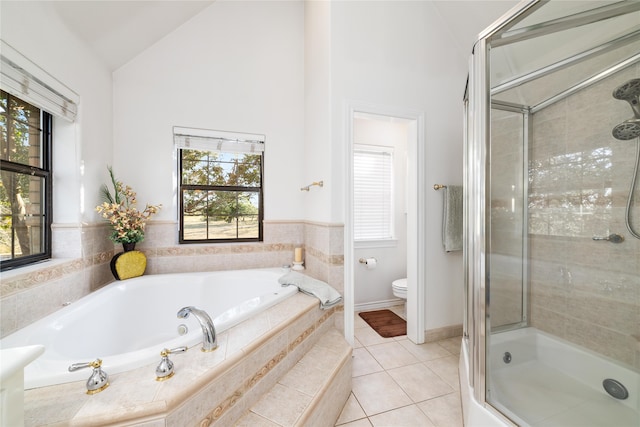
(477, 183)
(527, 134)
(477, 105)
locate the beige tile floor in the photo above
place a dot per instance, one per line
(398, 383)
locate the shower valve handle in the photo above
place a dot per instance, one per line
(613, 238)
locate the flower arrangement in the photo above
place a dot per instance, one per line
(120, 210)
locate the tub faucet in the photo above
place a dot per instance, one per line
(98, 381)
(209, 342)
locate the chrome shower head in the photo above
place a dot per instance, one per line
(630, 92)
(629, 129)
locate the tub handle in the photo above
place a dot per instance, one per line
(98, 381)
(164, 371)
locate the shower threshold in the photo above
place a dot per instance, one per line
(549, 382)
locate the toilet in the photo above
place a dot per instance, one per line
(399, 287)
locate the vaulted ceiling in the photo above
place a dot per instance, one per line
(119, 30)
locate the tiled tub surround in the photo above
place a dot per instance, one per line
(96, 327)
(585, 291)
(83, 252)
(214, 388)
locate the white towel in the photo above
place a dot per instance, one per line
(326, 294)
(452, 218)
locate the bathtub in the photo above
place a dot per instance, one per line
(128, 323)
(551, 382)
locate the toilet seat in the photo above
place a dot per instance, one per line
(400, 284)
(399, 287)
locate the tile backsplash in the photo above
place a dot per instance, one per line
(82, 254)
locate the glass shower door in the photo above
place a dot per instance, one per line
(507, 235)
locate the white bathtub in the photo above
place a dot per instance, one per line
(128, 323)
(550, 382)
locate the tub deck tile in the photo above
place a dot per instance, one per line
(193, 395)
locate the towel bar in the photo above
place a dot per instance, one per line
(307, 187)
(438, 186)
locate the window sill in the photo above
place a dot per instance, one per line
(368, 244)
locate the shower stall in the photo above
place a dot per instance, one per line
(552, 218)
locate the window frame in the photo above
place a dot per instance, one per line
(237, 189)
(378, 241)
(46, 173)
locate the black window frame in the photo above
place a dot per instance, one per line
(46, 173)
(238, 189)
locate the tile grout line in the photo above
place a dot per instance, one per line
(447, 353)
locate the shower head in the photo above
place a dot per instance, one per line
(626, 130)
(630, 92)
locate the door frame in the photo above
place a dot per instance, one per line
(416, 218)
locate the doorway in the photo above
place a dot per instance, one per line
(400, 131)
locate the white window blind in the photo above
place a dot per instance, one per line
(221, 141)
(373, 192)
(24, 79)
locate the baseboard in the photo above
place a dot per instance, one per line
(438, 334)
(377, 305)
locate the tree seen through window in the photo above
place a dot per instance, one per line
(221, 196)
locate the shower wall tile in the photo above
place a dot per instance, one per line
(615, 315)
(82, 254)
(584, 291)
(549, 321)
(610, 343)
(552, 297)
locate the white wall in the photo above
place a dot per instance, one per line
(82, 149)
(374, 285)
(397, 54)
(236, 66)
(317, 132)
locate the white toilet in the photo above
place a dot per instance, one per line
(399, 287)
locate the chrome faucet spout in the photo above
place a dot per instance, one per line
(209, 341)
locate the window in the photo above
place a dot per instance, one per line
(221, 197)
(373, 192)
(26, 182)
